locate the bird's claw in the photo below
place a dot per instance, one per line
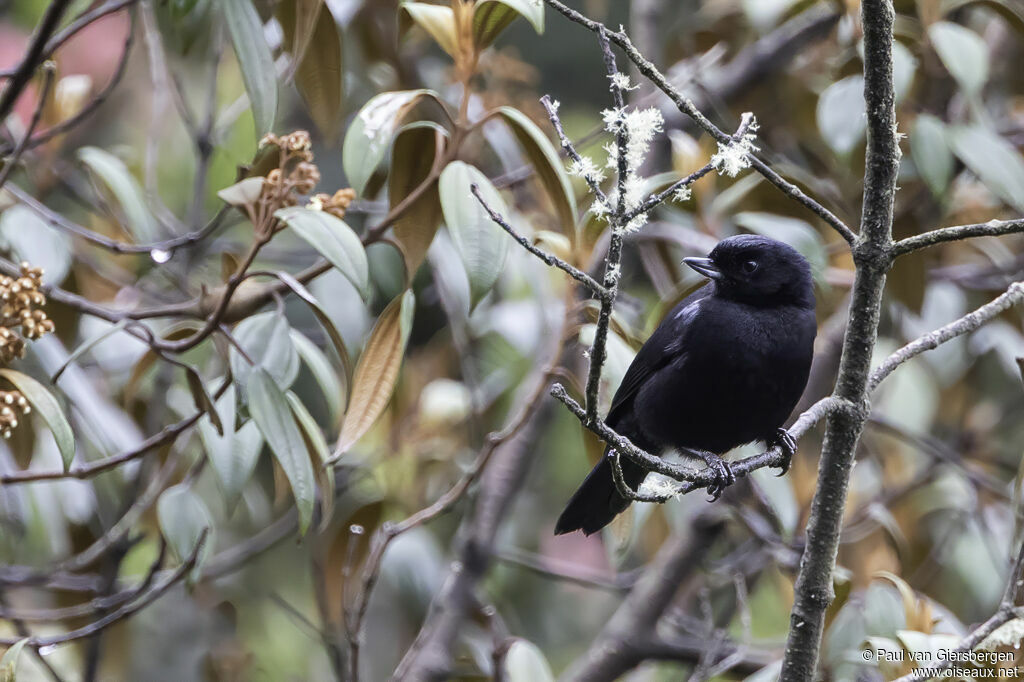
(787, 444)
(724, 477)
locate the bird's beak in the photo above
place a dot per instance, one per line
(704, 266)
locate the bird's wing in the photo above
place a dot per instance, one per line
(663, 346)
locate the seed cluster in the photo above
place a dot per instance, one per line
(20, 301)
(297, 175)
(12, 404)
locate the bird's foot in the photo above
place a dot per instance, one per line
(787, 443)
(724, 477)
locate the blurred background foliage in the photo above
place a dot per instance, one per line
(934, 505)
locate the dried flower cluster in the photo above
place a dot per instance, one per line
(336, 205)
(20, 301)
(12, 404)
(295, 175)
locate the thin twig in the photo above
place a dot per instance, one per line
(49, 69)
(993, 228)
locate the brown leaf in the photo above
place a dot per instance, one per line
(377, 371)
(412, 159)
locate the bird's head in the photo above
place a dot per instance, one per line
(757, 270)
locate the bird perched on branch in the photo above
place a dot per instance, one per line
(725, 367)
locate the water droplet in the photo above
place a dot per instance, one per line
(47, 650)
(356, 529)
(160, 255)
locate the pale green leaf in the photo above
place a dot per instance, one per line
(9, 662)
(333, 239)
(994, 160)
(931, 153)
(369, 136)
(183, 517)
(482, 245)
(322, 371)
(46, 405)
(32, 239)
(524, 662)
(242, 193)
(255, 61)
(273, 416)
(267, 341)
(963, 52)
(437, 20)
(116, 177)
(491, 17)
(840, 114)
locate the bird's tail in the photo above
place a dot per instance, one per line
(597, 501)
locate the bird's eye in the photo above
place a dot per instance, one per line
(749, 266)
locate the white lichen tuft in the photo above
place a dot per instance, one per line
(621, 81)
(585, 168)
(656, 484)
(600, 209)
(635, 224)
(1007, 634)
(682, 194)
(735, 156)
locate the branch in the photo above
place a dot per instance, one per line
(35, 54)
(932, 340)
(813, 591)
(567, 145)
(686, 106)
(993, 228)
(550, 259)
(49, 68)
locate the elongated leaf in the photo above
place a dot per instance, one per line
(491, 17)
(183, 517)
(320, 367)
(524, 662)
(202, 399)
(233, 455)
(88, 345)
(267, 342)
(9, 662)
(904, 66)
(840, 114)
(931, 153)
(318, 449)
(963, 52)
(273, 416)
(254, 59)
(993, 159)
(115, 176)
(32, 239)
(333, 239)
(437, 20)
(377, 371)
(311, 36)
(328, 326)
(412, 158)
(369, 136)
(550, 170)
(481, 244)
(43, 402)
(243, 192)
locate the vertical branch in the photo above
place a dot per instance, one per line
(872, 256)
(617, 225)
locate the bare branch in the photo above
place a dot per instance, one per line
(550, 259)
(993, 228)
(959, 327)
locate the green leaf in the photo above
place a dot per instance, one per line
(904, 66)
(32, 239)
(273, 416)
(242, 193)
(183, 517)
(481, 244)
(318, 449)
(412, 158)
(328, 326)
(524, 662)
(9, 662)
(437, 20)
(963, 52)
(368, 138)
(43, 402)
(491, 17)
(321, 369)
(377, 371)
(334, 240)
(994, 160)
(311, 37)
(235, 454)
(840, 114)
(550, 171)
(116, 177)
(266, 340)
(255, 60)
(931, 153)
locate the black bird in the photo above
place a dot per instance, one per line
(725, 367)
